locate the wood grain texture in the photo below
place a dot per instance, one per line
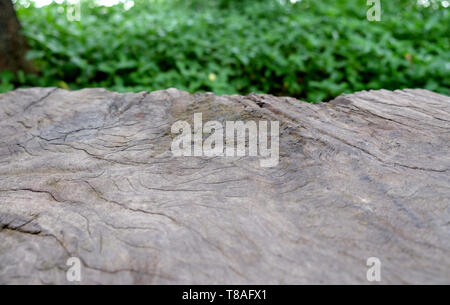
(90, 174)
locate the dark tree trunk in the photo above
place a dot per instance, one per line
(13, 46)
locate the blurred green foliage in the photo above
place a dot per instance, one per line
(313, 50)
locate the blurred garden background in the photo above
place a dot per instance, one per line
(309, 49)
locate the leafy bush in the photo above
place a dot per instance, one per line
(313, 50)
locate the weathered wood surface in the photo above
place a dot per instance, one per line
(90, 174)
